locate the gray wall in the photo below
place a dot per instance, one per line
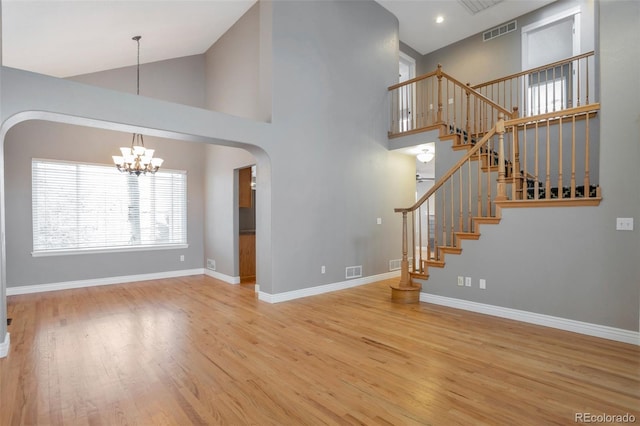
(332, 174)
(41, 139)
(179, 80)
(233, 68)
(571, 262)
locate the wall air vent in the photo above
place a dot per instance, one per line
(353, 272)
(475, 6)
(501, 30)
(395, 264)
(211, 264)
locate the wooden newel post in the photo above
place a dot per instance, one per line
(405, 281)
(406, 291)
(502, 184)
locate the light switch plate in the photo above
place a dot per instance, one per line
(624, 224)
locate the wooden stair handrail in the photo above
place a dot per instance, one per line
(413, 80)
(467, 88)
(470, 90)
(556, 114)
(451, 171)
(533, 70)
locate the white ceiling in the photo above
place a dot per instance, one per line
(64, 38)
(71, 37)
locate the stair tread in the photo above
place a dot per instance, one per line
(419, 275)
(482, 219)
(468, 235)
(435, 263)
(450, 249)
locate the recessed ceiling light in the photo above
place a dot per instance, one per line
(439, 19)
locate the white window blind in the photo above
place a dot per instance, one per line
(79, 207)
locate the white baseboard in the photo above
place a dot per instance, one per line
(327, 288)
(603, 331)
(222, 277)
(4, 346)
(39, 288)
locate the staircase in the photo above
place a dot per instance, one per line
(543, 159)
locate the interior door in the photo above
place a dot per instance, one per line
(406, 96)
(544, 42)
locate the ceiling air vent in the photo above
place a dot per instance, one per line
(501, 30)
(475, 6)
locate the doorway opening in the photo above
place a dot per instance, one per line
(406, 71)
(247, 224)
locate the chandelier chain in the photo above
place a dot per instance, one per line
(137, 39)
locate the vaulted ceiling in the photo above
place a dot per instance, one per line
(64, 38)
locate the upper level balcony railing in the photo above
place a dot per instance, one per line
(437, 98)
(554, 87)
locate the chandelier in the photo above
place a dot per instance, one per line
(137, 159)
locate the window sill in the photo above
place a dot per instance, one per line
(123, 249)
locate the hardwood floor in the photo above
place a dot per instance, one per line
(194, 350)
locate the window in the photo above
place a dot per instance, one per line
(90, 207)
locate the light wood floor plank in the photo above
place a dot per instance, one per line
(194, 350)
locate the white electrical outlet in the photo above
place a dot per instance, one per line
(323, 269)
(211, 264)
(182, 258)
(467, 281)
(460, 281)
(482, 283)
(379, 221)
